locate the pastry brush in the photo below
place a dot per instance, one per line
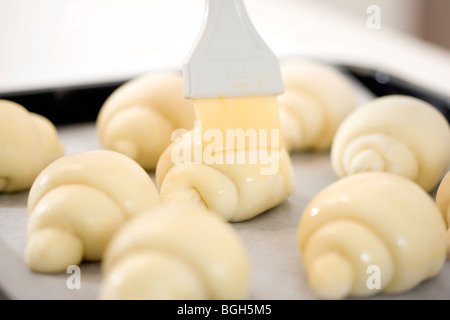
(232, 76)
(229, 57)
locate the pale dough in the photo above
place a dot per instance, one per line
(139, 117)
(397, 134)
(316, 100)
(28, 143)
(77, 203)
(370, 233)
(235, 191)
(443, 202)
(176, 252)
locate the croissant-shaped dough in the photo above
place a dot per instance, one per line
(443, 203)
(77, 203)
(397, 134)
(316, 100)
(235, 191)
(139, 117)
(369, 233)
(175, 252)
(28, 143)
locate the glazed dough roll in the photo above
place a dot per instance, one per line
(28, 143)
(443, 202)
(139, 117)
(236, 191)
(369, 233)
(397, 134)
(77, 203)
(175, 252)
(316, 100)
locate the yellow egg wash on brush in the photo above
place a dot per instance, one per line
(255, 117)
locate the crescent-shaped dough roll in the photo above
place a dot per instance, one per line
(236, 191)
(397, 134)
(77, 203)
(138, 118)
(28, 143)
(316, 100)
(369, 233)
(443, 202)
(175, 252)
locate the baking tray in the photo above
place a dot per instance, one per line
(270, 238)
(80, 103)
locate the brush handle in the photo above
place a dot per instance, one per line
(229, 57)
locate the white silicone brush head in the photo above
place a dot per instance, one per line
(229, 58)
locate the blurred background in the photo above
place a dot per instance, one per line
(426, 19)
(51, 43)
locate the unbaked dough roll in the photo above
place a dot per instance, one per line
(370, 233)
(175, 252)
(77, 203)
(316, 100)
(443, 202)
(28, 143)
(236, 191)
(397, 134)
(138, 118)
